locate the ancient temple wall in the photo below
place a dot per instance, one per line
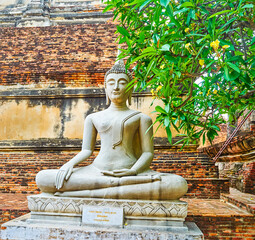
(34, 13)
(51, 78)
(63, 56)
(36, 115)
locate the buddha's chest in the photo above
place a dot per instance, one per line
(117, 124)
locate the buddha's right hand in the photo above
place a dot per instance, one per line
(63, 174)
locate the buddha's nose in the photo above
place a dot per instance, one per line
(116, 86)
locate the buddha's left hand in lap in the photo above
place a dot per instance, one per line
(120, 173)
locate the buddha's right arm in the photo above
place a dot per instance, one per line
(80, 157)
(88, 143)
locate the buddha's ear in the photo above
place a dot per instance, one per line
(107, 99)
(130, 96)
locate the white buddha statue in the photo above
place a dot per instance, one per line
(122, 168)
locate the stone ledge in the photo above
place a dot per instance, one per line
(19, 229)
(245, 201)
(56, 93)
(240, 149)
(61, 144)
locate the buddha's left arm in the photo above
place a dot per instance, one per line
(144, 161)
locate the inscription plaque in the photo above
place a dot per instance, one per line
(107, 216)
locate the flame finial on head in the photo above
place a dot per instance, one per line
(119, 67)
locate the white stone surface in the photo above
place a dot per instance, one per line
(170, 210)
(20, 229)
(102, 216)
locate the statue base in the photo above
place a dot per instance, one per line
(142, 213)
(112, 219)
(21, 229)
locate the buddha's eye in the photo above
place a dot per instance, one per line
(111, 82)
(123, 82)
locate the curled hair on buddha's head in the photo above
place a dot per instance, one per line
(118, 68)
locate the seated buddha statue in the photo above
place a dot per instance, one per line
(121, 170)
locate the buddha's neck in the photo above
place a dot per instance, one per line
(118, 107)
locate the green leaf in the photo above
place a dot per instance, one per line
(144, 4)
(135, 2)
(179, 141)
(123, 31)
(169, 135)
(248, 6)
(149, 67)
(164, 3)
(181, 11)
(109, 7)
(218, 13)
(200, 40)
(253, 40)
(165, 47)
(187, 4)
(252, 72)
(190, 16)
(234, 75)
(233, 66)
(171, 59)
(167, 108)
(169, 12)
(230, 21)
(200, 50)
(215, 128)
(203, 138)
(224, 42)
(142, 56)
(226, 75)
(160, 109)
(149, 50)
(209, 65)
(167, 121)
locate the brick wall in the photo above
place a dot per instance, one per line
(225, 228)
(189, 164)
(74, 55)
(10, 214)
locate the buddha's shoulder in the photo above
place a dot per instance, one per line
(145, 117)
(96, 115)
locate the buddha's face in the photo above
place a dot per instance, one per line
(116, 84)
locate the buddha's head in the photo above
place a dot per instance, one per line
(116, 81)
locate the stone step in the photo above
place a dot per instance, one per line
(215, 218)
(245, 201)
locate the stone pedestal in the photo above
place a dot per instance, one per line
(58, 217)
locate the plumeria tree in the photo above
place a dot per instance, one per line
(197, 56)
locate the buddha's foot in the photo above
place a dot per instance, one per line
(155, 178)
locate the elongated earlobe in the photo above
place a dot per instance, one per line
(129, 97)
(107, 99)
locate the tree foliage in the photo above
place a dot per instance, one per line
(197, 56)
